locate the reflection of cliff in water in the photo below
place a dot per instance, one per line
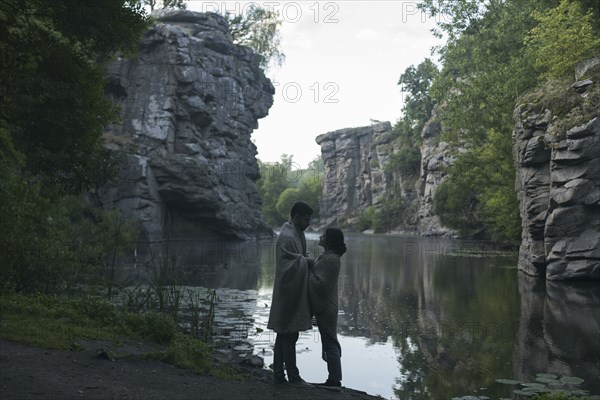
(208, 263)
(559, 331)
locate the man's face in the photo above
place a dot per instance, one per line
(302, 221)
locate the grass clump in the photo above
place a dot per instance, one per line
(61, 323)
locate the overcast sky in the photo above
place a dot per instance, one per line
(343, 62)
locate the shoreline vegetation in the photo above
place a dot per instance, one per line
(62, 323)
(92, 333)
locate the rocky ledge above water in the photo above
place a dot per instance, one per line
(189, 101)
(557, 151)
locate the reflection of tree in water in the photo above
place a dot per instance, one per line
(467, 331)
(378, 294)
(452, 320)
(412, 361)
(369, 275)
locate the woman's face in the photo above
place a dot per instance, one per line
(322, 239)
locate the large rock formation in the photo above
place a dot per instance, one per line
(189, 102)
(435, 156)
(356, 180)
(557, 146)
(354, 175)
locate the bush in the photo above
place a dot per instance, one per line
(365, 219)
(158, 327)
(455, 203)
(407, 161)
(51, 246)
(389, 215)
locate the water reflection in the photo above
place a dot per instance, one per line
(449, 316)
(559, 331)
(423, 319)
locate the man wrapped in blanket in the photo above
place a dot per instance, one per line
(290, 311)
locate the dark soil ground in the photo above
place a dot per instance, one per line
(33, 373)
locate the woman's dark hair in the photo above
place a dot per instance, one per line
(334, 238)
(301, 208)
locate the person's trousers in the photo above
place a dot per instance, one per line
(284, 355)
(332, 354)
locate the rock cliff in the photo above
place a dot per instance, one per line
(189, 102)
(356, 180)
(435, 156)
(354, 177)
(557, 152)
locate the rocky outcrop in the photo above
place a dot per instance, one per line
(189, 102)
(557, 152)
(354, 176)
(357, 181)
(435, 156)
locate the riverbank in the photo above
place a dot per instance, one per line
(35, 373)
(53, 347)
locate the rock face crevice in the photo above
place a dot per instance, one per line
(189, 101)
(558, 182)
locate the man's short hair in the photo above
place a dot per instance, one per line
(301, 208)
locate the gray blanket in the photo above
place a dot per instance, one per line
(290, 311)
(323, 295)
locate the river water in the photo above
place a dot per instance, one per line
(423, 318)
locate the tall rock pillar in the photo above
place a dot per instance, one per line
(189, 101)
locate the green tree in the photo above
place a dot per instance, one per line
(174, 4)
(486, 67)
(52, 113)
(416, 111)
(274, 179)
(457, 17)
(455, 200)
(53, 102)
(311, 189)
(286, 200)
(311, 185)
(281, 185)
(258, 29)
(594, 7)
(564, 36)
(418, 104)
(164, 3)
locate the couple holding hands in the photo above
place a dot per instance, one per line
(304, 288)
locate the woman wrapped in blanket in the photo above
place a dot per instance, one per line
(323, 295)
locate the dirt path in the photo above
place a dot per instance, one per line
(33, 373)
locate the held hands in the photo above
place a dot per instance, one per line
(310, 260)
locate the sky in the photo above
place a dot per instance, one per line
(342, 63)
